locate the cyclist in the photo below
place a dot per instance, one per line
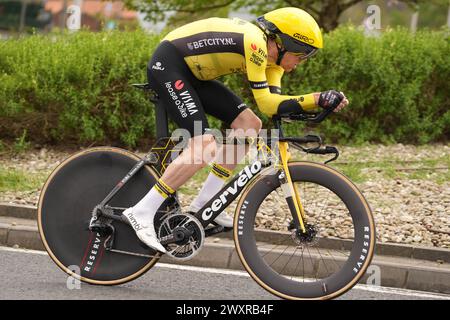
(183, 70)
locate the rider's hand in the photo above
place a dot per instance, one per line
(343, 103)
(331, 98)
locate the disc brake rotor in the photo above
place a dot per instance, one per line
(309, 238)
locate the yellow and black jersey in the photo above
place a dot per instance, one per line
(216, 46)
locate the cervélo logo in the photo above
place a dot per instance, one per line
(239, 183)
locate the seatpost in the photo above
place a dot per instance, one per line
(162, 125)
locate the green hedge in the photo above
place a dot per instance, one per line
(63, 88)
(75, 87)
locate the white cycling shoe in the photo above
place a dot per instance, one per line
(145, 232)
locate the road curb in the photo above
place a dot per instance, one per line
(18, 211)
(24, 237)
(385, 249)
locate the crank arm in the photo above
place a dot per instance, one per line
(216, 230)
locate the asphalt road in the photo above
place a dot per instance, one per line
(29, 274)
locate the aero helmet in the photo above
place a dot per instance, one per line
(294, 29)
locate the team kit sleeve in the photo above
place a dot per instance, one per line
(265, 83)
(274, 74)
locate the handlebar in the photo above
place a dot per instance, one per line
(321, 116)
(296, 143)
(310, 138)
(316, 117)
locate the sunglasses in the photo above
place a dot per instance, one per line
(295, 47)
(304, 55)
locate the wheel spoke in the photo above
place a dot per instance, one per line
(312, 262)
(290, 258)
(276, 245)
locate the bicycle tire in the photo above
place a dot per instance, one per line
(329, 287)
(65, 207)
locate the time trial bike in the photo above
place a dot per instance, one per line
(302, 230)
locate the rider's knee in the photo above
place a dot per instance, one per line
(203, 149)
(204, 140)
(256, 124)
(247, 121)
(253, 127)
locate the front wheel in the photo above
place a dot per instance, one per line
(325, 261)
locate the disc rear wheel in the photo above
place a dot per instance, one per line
(65, 208)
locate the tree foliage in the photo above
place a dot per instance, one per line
(326, 12)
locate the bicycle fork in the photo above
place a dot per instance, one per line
(290, 190)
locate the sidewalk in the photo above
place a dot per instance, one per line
(400, 266)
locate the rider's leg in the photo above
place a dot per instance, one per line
(223, 104)
(246, 124)
(177, 173)
(192, 159)
(172, 80)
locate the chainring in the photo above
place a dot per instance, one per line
(180, 222)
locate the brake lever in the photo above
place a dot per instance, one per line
(306, 150)
(326, 150)
(317, 138)
(313, 149)
(332, 150)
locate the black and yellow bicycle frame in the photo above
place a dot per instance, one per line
(279, 160)
(289, 188)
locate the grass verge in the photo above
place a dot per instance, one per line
(17, 180)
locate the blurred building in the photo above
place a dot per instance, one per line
(96, 14)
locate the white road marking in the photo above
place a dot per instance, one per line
(376, 289)
(403, 292)
(203, 269)
(362, 287)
